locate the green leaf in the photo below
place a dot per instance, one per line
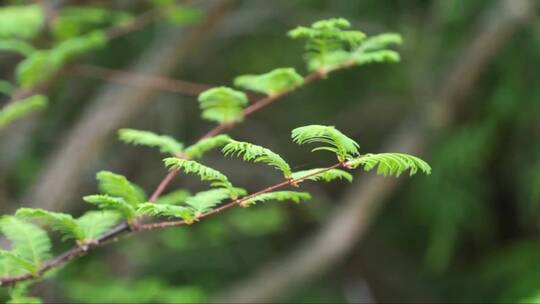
(326, 176)
(17, 46)
(251, 152)
(391, 164)
(205, 201)
(41, 65)
(28, 241)
(205, 173)
(22, 21)
(173, 198)
(222, 104)
(198, 149)
(166, 144)
(328, 43)
(94, 224)
(374, 49)
(19, 261)
(127, 210)
(271, 83)
(151, 209)
(280, 196)
(73, 21)
(335, 141)
(61, 222)
(117, 185)
(20, 108)
(6, 87)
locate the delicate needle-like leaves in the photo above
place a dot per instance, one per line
(166, 144)
(173, 198)
(117, 185)
(327, 176)
(94, 224)
(198, 149)
(391, 164)
(28, 241)
(62, 222)
(251, 152)
(205, 173)
(151, 209)
(222, 104)
(112, 203)
(206, 200)
(334, 140)
(274, 82)
(294, 196)
(20, 108)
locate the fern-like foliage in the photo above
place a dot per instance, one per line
(173, 198)
(375, 49)
(21, 108)
(328, 42)
(391, 164)
(222, 104)
(21, 21)
(30, 244)
(19, 294)
(326, 176)
(280, 196)
(41, 65)
(127, 210)
(205, 201)
(274, 82)
(151, 209)
(165, 143)
(334, 141)
(61, 222)
(94, 224)
(84, 229)
(198, 149)
(329, 45)
(251, 152)
(117, 185)
(205, 173)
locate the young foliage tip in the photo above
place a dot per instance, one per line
(272, 83)
(165, 143)
(280, 196)
(222, 104)
(332, 139)
(390, 164)
(327, 175)
(198, 149)
(21, 108)
(251, 152)
(205, 173)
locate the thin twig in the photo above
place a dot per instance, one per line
(138, 79)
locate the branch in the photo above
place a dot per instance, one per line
(126, 230)
(138, 79)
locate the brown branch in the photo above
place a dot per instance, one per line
(124, 228)
(138, 79)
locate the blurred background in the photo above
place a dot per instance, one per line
(465, 97)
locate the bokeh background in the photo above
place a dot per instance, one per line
(465, 97)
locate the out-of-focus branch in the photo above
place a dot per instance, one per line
(361, 203)
(113, 107)
(138, 79)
